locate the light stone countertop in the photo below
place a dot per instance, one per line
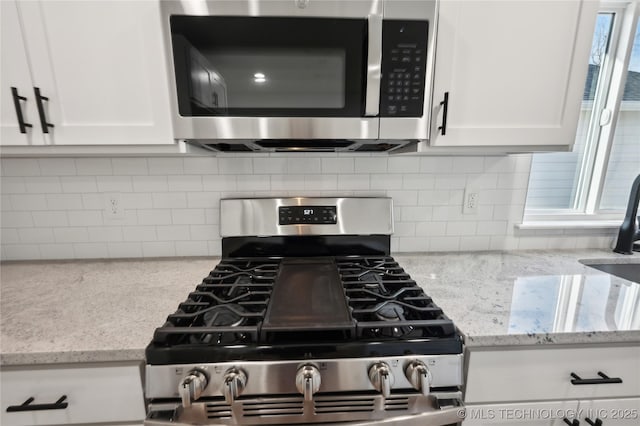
(98, 311)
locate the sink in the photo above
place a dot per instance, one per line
(627, 271)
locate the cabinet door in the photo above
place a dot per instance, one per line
(612, 412)
(103, 68)
(15, 72)
(514, 71)
(548, 413)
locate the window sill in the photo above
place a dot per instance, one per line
(569, 224)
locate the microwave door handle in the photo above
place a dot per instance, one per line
(374, 61)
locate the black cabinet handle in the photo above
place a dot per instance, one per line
(16, 103)
(598, 422)
(28, 406)
(577, 380)
(445, 109)
(573, 422)
(43, 119)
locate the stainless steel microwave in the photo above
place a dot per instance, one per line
(300, 75)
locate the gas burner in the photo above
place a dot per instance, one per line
(225, 316)
(390, 312)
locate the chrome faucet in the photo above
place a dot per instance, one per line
(629, 231)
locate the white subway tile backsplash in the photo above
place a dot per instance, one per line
(9, 236)
(13, 185)
(413, 244)
(371, 164)
(253, 182)
(200, 165)
(338, 165)
(166, 166)
(85, 218)
(71, 235)
(20, 167)
(184, 183)
(191, 248)
(386, 181)
(188, 216)
(56, 251)
(94, 166)
(321, 182)
(269, 165)
(154, 216)
(158, 249)
(114, 183)
(105, 234)
(353, 182)
(140, 233)
(169, 200)
(219, 183)
(21, 251)
(436, 164)
(403, 165)
(54, 207)
(57, 166)
(173, 232)
(475, 243)
(90, 251)
(129, 166)
(50, 218)
(124, 250)
(235, 166)
(468, 164)
(303, 165)
(78, 184)
(36, 235)
(64, 201)
(41, 185)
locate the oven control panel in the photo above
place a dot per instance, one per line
(404, 52)
(307, 215)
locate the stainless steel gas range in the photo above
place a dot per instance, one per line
(306, 319)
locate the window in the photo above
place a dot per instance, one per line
(595, 179)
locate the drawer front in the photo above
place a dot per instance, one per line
(549, 413)
(611, 412)
(545, 373)
(93, 395)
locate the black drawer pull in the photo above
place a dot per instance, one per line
(573, 422)
(598, 422)
(43, 118)
(445, 109)
(28, 406)
(16, 103)
(604, 379)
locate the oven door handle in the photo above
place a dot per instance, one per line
(374, 66)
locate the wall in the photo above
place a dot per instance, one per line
(53, 208)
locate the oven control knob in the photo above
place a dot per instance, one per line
(381, 378)
(419, 376)
(233, 383)
(191, 386)
(308, 381)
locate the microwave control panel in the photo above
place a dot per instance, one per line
(307, 215)
(404, 58)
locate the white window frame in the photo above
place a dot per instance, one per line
(607, 100)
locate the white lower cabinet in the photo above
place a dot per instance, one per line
(597, 385)
(72, 395)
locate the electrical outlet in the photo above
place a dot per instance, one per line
(470, 203)
(113, 207)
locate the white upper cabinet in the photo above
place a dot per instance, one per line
(101, 65)
(513, 72)
(16, 91)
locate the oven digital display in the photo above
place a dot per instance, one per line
(307, 215)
